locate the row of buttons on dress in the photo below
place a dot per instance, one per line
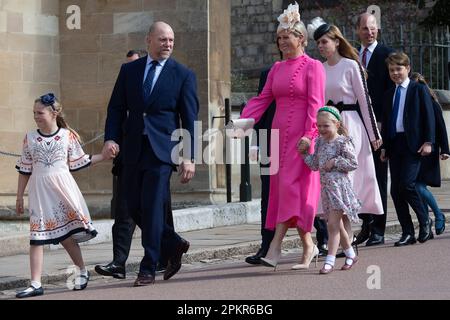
(286, 135)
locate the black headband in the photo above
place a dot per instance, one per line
(320, 31)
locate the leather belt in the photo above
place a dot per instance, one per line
(343, 107)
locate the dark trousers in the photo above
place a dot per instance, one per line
(379, 220)
(123, 228)
(381, 170)
(405, 166)
(266, 234)
(147, 193)
(321, 231)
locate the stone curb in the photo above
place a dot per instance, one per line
(190, 219)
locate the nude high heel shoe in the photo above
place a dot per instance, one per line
(271, 263)
(305, 265)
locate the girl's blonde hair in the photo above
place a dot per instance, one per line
(50, 101)
(332, 114)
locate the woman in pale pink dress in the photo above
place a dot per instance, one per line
(346, 88)
(297, 85)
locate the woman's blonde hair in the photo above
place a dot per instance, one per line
(50, 101)
(332, 114)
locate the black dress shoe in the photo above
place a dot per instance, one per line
(144, 280)
(375, 240)
(255, 259)
(425, 232)
(364, 234)
(161, 268)
(174, 264)
(30, 292)
(111, 270)
(405, 240)
(323, 250)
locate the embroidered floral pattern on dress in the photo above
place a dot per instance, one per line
(25, 163)
(63, 220)
(48, 152)
(61, 215)
(77, 158)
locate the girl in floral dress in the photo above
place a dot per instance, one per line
(58, 212)
(334, 157)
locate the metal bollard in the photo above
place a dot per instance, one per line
(227, 147)
(245, 188)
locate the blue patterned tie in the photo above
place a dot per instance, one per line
(147, 86)
(394, 115)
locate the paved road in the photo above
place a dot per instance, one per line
(419, 271)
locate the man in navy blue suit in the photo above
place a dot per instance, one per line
(372, 56)
(408, 132)
(123, 228)
(151, 98)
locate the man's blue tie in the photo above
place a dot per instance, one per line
(147, 86)
(394, 114)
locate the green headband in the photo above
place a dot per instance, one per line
(333, 112)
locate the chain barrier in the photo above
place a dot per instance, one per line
(10, 154)
(93, 139)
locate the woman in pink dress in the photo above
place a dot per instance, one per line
(297, 84)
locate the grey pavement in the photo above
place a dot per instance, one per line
(385, 272)
(206, 245)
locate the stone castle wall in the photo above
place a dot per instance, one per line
(254, 24)
(39, 53)
(29, 66)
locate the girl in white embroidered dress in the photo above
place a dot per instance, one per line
(58, 212)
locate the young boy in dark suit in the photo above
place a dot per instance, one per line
(408, 131)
